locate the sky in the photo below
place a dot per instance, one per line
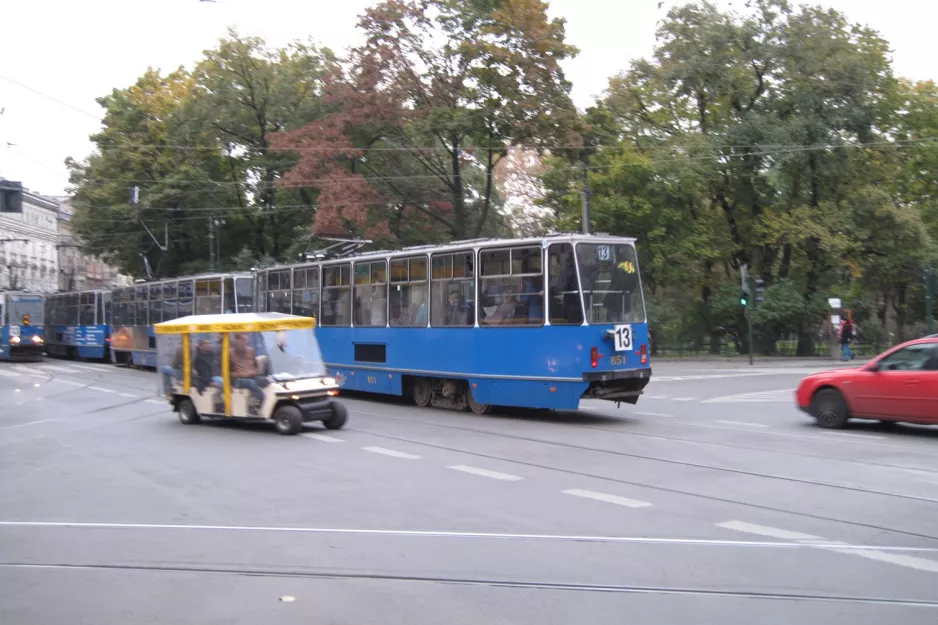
(57, 56)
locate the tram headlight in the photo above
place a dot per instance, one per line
(329, 381)
(37, 339)
(14, 340)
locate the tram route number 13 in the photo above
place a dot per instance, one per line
(622, 336)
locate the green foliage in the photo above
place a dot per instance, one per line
(776, 137)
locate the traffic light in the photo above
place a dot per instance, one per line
(760, 290)
(743, 298)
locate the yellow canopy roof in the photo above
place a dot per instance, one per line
(238, 322)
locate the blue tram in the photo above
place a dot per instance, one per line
(134, 309)
(22, 332)
(78, 324)
(536, 323)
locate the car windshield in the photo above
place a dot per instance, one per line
(292, 354)
(611, 286)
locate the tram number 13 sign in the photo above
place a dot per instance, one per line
(622, 336)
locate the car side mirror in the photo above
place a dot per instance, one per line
(874, 368)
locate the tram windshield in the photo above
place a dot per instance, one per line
(292, 354)
(611, 287)
(31, 306)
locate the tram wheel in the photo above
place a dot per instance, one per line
(476, 407)
(420, 391)
(187, 413)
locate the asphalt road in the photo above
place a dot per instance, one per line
(712, 501)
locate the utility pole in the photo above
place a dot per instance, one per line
(930, 283)
(746, 289)
(211, 229)
(586, 199)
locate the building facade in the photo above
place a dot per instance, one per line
(29, 258)
(39, 254)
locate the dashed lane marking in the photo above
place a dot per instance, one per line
(69, 382)
(325, 438)
(101, 389)
(745, 423)
(61, 368)
(495, 475)
(9, 374)
(656, 396)
(128, 395)
(655, 414)
(393, 453)
(21, 425)
(684, 399)
(156, 401)
(619, 501)
(782, 395)
(911, 562)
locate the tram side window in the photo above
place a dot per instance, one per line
(306, 292)
(105, 299)
(564, 305)
(408, 298)
(184, 299)
(336, 295)
(169, 301)
(279, 286)
(370, 301)
(86, 310)
(244, 291)
(72, 309)
(511, 287)
(143, 306)
(452, 290)
(156, 303)
(208, 297)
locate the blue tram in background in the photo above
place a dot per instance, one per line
(537, 323)
(78, 324)
(22, 332)
(134, 309)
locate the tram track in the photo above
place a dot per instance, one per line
(687, 463)
(640, 484)
(521, 584)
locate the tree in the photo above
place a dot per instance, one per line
(197, 146)
(434, 99)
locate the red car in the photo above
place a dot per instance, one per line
(898, 385)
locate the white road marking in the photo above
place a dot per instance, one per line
(656, 396)
(495, 475)
(128, 395)
(619, 501)
(98, 369)
(9, 374)
(69, 382)
(101, 389)
(325, 438)
(872, 553)
(60, 368)
(684, 399)
(590, 408)
(762, 530)
(784, 395)
(21, 425)
(746, 423)
(392, 453)
(656, 414)
(482, 535)
(157, 401)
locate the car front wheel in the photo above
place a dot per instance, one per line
(829, 408)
